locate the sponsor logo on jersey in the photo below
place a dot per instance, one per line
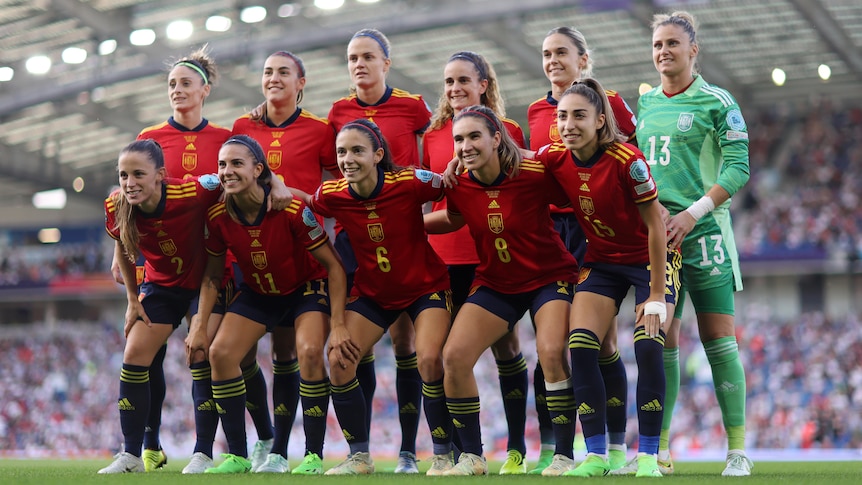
(308, 218)
(645, 187)
(587, 205)
(258, 259)
(256, 244)
(168, 247)
(736, 135)
(584, 187)
(375, 232)
(424, 176)
(684, 122)
(735, 120)
(493, 205)
(495, 222)
(273, 158)
(638, 171)
(209, 181)
(315, 233)
(373, 215)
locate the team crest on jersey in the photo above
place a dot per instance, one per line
(735, 120)
(139, 274)
(587, 206)
(495, 222)
(638, 171)
(375, 232)
(273, 158)
(685, 121)
(168, 247)
(308, 217)
(190, 161)
(554, 133)
(258, 259)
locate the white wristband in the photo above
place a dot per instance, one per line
(702, 207)
(656, 308)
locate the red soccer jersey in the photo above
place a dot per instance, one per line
(401, 117)
(172, 237)
(298, 150)
(396, 265)
(519, 250)
(605, 192)
(438, 150)
(273, 251)
(188, 153)
(542, 120)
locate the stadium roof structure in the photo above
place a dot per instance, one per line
(72, 121)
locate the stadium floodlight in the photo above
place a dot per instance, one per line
(778, 76)
(644, 88)
(50, 199)
(328, 4)
(107, 47)
(218, 23)
(367, 1)
(6, 73)
(38, 65)
(74, 55)
(252, 15)
(78, 184)
(179, 30)
(142, 37)
(289, 10)
(824, 71)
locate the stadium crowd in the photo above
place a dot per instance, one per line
(803, 378)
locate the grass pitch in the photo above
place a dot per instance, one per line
(83, 472)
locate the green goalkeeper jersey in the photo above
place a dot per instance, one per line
(692, 141)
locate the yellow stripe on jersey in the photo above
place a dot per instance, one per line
(557, 147)
(109, 205)
(400, 93)
(532, 166)
(511, 122)
(216, 210)
(319, 243)
(610, 92)
(181, 191)
(620, 152)
(154, 127)
(213, 253)
(293, 207)
(306, 114)
(331, 186)
(538, 101)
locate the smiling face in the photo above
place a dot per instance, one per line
(579, 122)
(237, 170)
(673, 54)
(357, 158)
(140, 180)
(186, 89)
(281, 81)
(560, 60)
(462, 86)
(476, 147)
(366, 62)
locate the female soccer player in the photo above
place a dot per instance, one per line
(617, 209)
(696, 142)
(298, 147)
(565, 59)
(402, 118)
(523, 265)
(162, 220)
(191, 143)
(380, 208)
(468, 79)
(284, 285)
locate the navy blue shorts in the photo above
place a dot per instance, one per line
(614, 280)
(223, 299)
(511, 307)
(348, 258)
(572, 235)
(461, 279)
(165, 305)
(280, 310)
(385, 318)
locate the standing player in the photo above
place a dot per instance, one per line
(298, 147)
(468, 79)
(402, 118)
(191, 143)
(162, 220)
(283, 255)
(565, 59)
(523, 265)
(380, 207)
(617, 209)
(696, 143)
